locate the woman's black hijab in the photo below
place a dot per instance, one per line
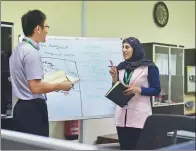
(137, 58)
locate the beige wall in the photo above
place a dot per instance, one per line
(122, 19)
(109, 19)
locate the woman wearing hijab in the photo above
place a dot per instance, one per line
(142, 79)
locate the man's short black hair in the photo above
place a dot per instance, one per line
(32, 19)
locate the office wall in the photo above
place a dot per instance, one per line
(64, 18)
(122, 19)
(109, 19)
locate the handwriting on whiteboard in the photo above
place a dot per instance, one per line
(54, 46)
(59, 53)
(94, 70)
(56, 50)
(48, 67)
(55, 64)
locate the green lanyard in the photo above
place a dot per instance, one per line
(128, 77)
(29, 42)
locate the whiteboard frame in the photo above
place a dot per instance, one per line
(74, 38)
(85, 118)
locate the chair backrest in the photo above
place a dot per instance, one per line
(157, 127)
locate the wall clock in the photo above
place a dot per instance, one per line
(161, 14)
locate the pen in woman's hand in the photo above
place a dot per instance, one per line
(111, 64)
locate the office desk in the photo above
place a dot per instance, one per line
(113, 138)
(105, 139)
(183, 135)
(3, 116)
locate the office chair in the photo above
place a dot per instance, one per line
(157, 127)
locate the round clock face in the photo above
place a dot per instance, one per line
(161, 14)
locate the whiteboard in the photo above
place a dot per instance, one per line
(88, 59)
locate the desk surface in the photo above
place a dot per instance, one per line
(183, 134)
(113, 138)
(4, 116)
(104, 139)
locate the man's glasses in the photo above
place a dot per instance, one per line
(47, 26)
